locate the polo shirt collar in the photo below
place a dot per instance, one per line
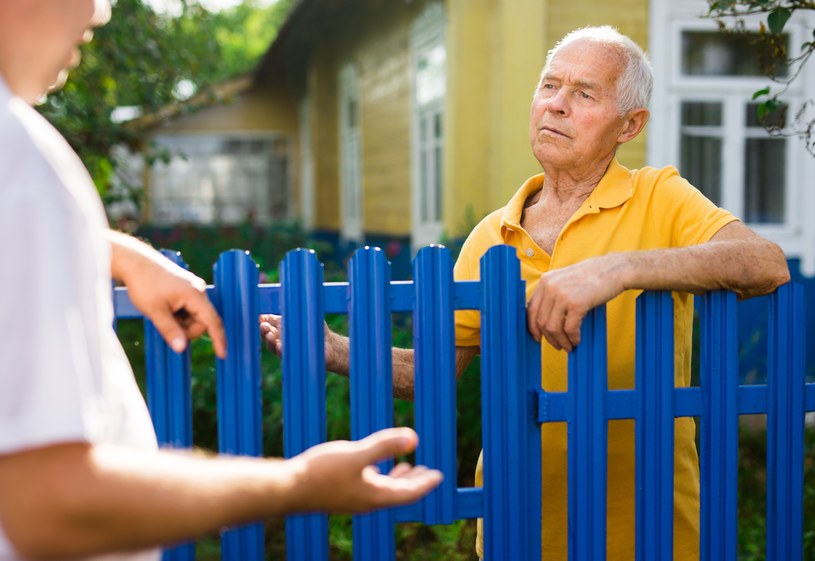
(614, 189)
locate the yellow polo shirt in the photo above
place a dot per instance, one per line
(628, 210)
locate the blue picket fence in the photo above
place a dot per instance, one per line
(513, 404)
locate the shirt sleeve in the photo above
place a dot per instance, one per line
(50, 349)
(686, 216)
(467, 268)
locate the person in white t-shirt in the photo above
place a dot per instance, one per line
(80, 472)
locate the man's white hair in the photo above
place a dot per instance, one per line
(636, 82)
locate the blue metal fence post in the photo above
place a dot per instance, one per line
(301, 279)
(719, 371)
(785, 424)
(588, 440)
(238, 383)
(169, 400)
(509, 415)
(371, 383)
(435, 377)
(655, 426)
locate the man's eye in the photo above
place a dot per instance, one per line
(584, 95)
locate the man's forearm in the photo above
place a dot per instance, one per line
(339, 357)
(89, 499)
(748, 268)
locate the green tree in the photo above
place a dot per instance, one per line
(146, 60)
(773, 55)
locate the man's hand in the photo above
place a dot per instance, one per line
(336, 346)
(564, 296)
(339, 476)
(174, 299)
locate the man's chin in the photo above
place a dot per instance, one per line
(59, 83)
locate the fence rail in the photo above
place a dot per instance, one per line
(513, 404)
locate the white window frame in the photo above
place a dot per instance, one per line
(669, 18)
(306, 164)
(351, 220)
(427, 33)
(207, 190)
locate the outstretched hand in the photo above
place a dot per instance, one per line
(336, 346)
(171, 297)
(339, 476)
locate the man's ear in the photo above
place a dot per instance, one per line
(633, 123)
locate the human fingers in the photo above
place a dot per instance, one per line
(272, 338)
(399, 470)
(169, 328)
(553, 328)
(412, 485)
(571, 326)
(539, 311)
(387, 443)
(270, 319)
(206, 319)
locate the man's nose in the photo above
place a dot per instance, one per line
(558, 103)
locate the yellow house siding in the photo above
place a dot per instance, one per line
(322, 81)
(384, 80)
(630, 17)
(495, 53)
(378, 44)
(520, 54)
(467, 142)
(258, 110)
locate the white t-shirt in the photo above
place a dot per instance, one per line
(63, 374)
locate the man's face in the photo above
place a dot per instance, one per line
(58, 28)
(574, 121)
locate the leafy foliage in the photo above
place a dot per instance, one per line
(146, 60)
(772, 55)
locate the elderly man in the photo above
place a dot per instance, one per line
(79, 470)
(588, 232)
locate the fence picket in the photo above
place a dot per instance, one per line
(304, 415)
(511, 527)
(169, 400)
(785, 425)
(371, 383)
(588, 440)
(435, 378)
(719, 439)
(655, 426)
(238, 382)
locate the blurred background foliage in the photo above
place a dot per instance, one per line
(148, 60)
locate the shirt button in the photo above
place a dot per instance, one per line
(530, 252)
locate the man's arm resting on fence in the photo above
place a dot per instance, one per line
(173, 298)
(734, 259)
(338, 352)
(76, 499)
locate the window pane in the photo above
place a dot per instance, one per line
(701, 147)
(764, 180)
(773, 119)
(701, 162)
(701, 113)
(711, 53)
(430, 75)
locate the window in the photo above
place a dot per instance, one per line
(350, 152)
(704, 120)
(306, 165)
(429, 88)
(221, 179)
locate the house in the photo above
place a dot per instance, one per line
(400, 123)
